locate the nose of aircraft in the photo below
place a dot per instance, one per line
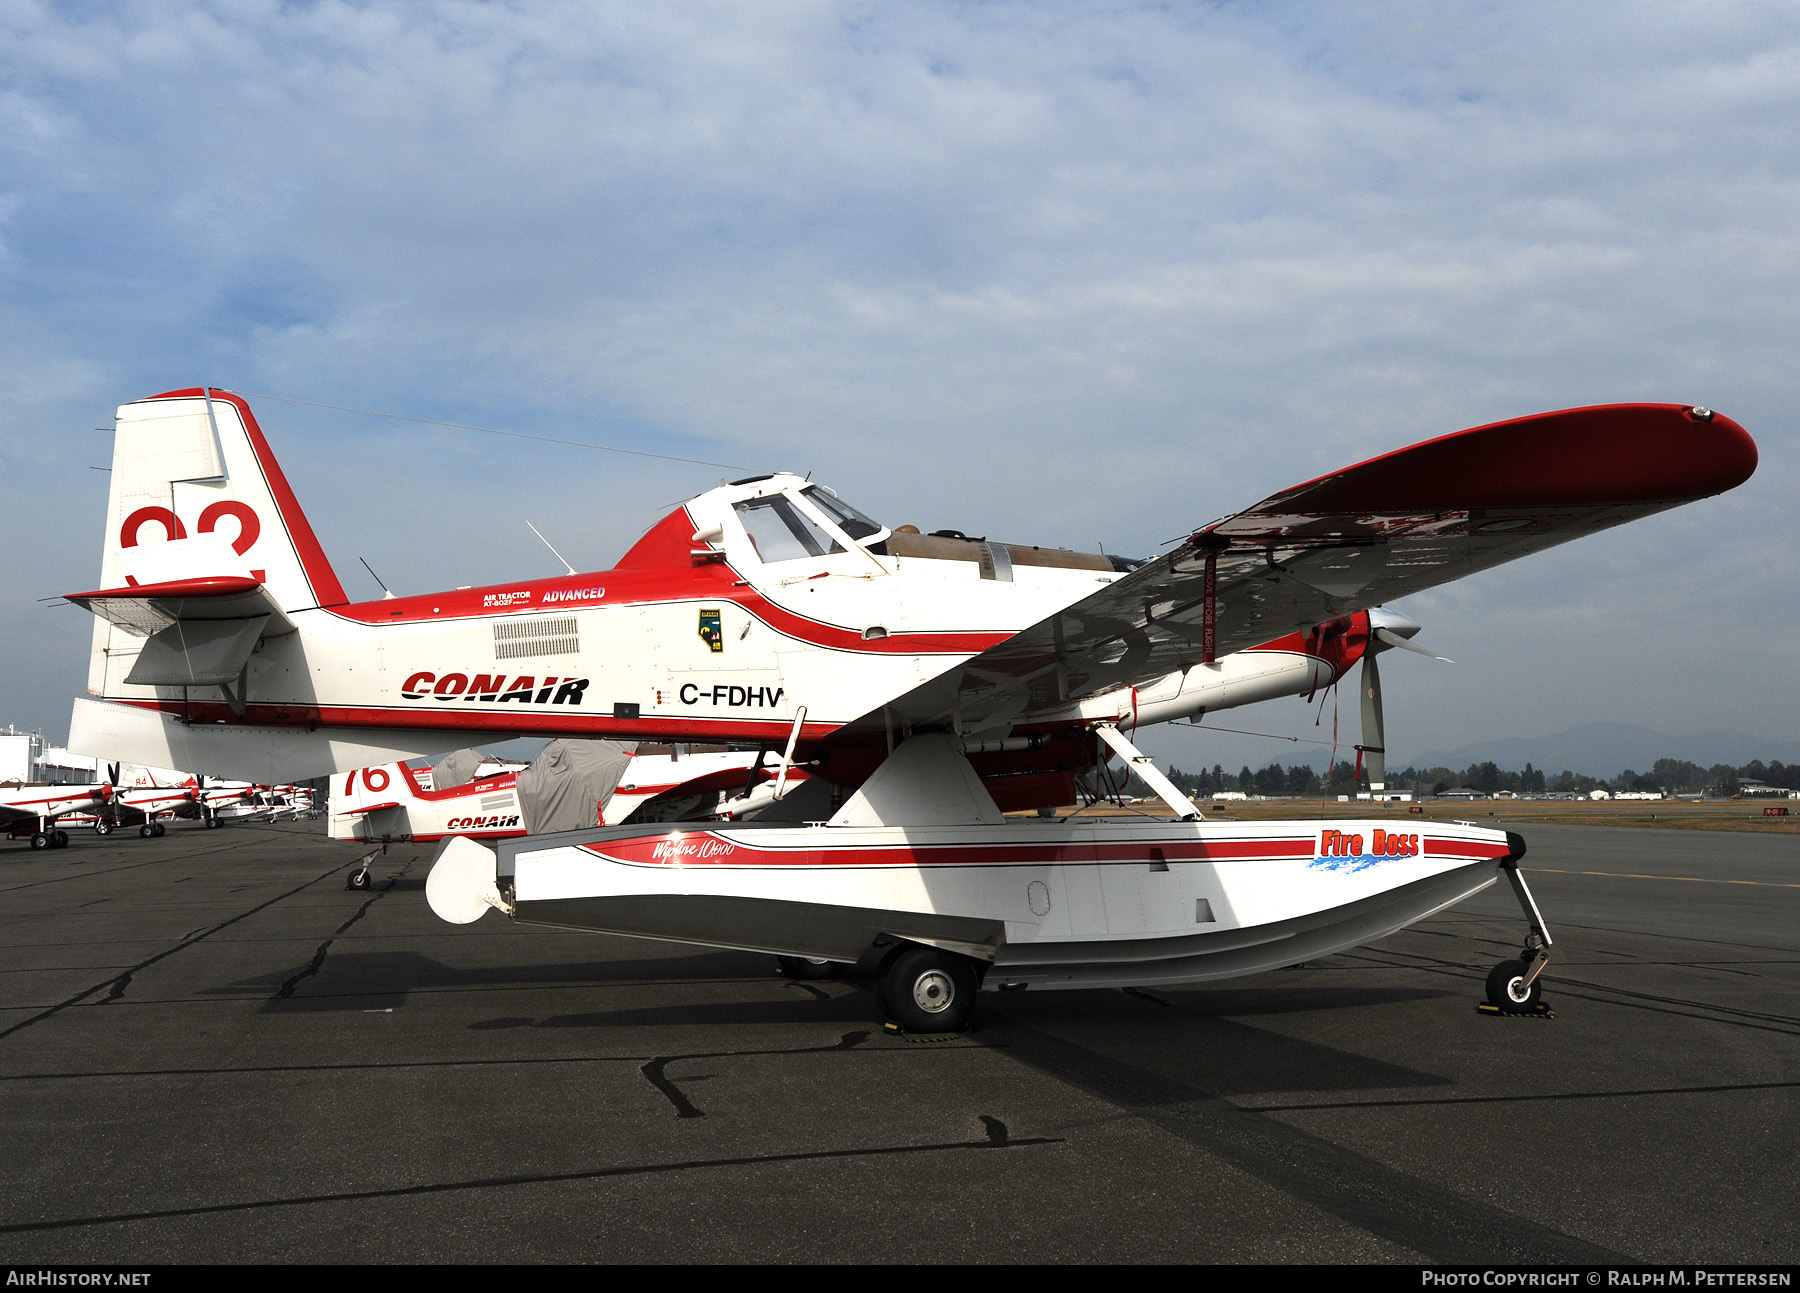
(1393, 622)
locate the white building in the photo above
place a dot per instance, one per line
(19, 755)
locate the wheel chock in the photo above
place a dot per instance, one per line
(894, 1029)
(1539, 1011)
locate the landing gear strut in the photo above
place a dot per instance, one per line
(1514, 987)
(360, 879)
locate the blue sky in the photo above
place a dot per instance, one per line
(1057, 274)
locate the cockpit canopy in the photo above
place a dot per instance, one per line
(780, 530)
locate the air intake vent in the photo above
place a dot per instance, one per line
(516, 639)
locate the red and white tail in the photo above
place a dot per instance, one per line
(196, 494)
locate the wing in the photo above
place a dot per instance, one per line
(1360, 537)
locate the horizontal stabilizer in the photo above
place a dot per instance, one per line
(243, 752)
(148, 609)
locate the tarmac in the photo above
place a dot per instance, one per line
(212, 1051)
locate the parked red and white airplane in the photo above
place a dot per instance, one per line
(934, 680)
(394, 802)
(33, 811)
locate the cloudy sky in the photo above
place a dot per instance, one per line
(1067, 274)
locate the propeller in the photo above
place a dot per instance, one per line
(1386, 630)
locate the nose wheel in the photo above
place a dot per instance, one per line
(1515, 987)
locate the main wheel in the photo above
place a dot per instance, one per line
(146, 831)
(59, 838)
(929, 991)
(159, 830)
(41, 840)
(103, 828)
(1507, 989)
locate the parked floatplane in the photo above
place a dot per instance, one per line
(929, 684)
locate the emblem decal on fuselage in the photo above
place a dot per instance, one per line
(1342, 851)
(711, 632)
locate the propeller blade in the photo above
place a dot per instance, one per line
(112, 774)
(1389, 638)
(1374, 743)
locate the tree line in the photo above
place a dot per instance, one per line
(1673, 776)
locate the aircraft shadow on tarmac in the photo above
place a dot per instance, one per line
(1187, 1030)
(342, 980)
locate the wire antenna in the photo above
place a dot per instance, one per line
(386, 593)
(553, 552)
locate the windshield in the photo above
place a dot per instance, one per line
(780, 532)
(847, 518)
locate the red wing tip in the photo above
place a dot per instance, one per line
(1608, 454)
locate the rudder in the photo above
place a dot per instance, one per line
(195, 493)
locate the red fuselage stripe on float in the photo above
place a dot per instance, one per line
(715, 850)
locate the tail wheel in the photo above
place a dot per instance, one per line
(808, 967)
(1508, 991)
(359, 880)
(929, 991)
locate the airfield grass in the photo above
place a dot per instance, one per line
(1680, 815)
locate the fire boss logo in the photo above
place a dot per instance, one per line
(1339, 844)
(493, 688)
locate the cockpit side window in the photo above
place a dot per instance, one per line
(847, 518)
(780, 532)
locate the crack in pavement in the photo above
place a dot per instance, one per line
(182, 945)
(1603, 993)
(1532, 1098)
(656, 1071)
(996, 1138)
(318, 961)
(1429, 1219)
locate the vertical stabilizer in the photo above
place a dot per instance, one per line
(197, 494)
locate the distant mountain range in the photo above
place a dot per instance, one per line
(1607, 749)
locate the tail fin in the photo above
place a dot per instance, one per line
(196, 493)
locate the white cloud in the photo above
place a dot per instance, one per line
(1060, 273)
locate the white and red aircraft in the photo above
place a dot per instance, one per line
(932, 682)
(393, 802)
(33, 811)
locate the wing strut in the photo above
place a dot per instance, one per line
(1209, 611)
(1141, 763)
(787, 757)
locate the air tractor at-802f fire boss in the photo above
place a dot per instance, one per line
(931, 683)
